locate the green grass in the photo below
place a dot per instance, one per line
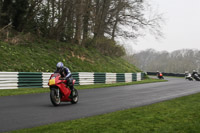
(120, 84)
(179, 115)
(43, 57)
(23, 91)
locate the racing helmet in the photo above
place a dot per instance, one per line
(59, 66)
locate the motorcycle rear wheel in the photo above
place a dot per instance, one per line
(55, 100)
(75, 98)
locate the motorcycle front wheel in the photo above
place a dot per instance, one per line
(54, 96)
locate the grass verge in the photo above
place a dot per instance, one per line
(43, 57)
(180, 115)
(11, 92)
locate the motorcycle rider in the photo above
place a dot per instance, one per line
(66, 74)
(157, 73)
(195, 75)
(194, 72)
(188, 76)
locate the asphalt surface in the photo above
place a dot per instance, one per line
(26, 111)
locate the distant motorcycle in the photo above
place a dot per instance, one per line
(188, 76)
(60, 92)
(160, 76)
(196, 77)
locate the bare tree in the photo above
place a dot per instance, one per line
(177, 61)
(79, 21)
(86, 19)
(101, 13)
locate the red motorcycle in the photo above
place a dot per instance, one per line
(60, 92)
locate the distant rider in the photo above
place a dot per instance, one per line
(188, 76)
(194, 72)
(66, 74)
(158, 74)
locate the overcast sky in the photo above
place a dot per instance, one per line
(181, 29)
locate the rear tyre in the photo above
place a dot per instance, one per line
(55, 99)
(75, 97)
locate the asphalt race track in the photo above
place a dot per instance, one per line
(26, 111)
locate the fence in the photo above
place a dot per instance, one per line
(15, 80)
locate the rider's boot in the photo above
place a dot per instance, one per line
(72, 90)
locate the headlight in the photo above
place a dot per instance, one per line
(52, 82)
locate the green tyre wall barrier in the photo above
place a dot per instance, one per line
(99, 78)
(30, 80)
(120, 77)
(15, 80)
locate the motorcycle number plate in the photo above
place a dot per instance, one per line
(52, 82)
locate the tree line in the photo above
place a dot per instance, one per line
(79, 20)
(177, 61)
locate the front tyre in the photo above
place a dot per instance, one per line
(75, 96)
(54, 96)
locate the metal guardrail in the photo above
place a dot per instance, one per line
(15, 80)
